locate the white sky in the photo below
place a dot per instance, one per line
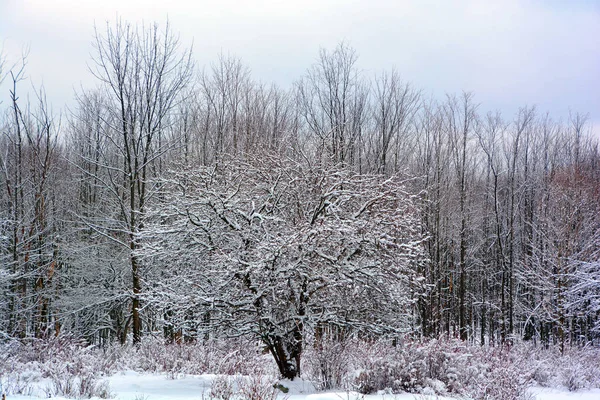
(509, 53)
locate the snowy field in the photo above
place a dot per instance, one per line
(132, 385)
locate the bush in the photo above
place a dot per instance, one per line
(222, 388)
(73, 369)
(227, 357)
(258, 387)
(18, 382)
(458, 368)
(254, 387)
(445, 367)
(442, 367)
(329, 363)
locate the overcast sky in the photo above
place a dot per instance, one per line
(509, 53)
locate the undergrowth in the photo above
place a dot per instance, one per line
(70, 368)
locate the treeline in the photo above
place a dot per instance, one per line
(187, 200)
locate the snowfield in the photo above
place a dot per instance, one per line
(131, 385)
(541, 393)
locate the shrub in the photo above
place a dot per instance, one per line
(227, 357)
(443, 367)
(222, 388)
(258, 387)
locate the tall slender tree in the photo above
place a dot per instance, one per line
(142, 71)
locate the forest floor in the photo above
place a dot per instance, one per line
(237, 369)
(131, 385)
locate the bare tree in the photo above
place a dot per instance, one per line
(28, 158)
(461, 120)
(333, 101)
(433, 164)
(395, 106)
(143, 74)
(223, 89)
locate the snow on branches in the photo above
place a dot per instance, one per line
(277, 248)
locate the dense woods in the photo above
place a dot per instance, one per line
(196, 203)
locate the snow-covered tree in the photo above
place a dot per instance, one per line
(30, 204)
(120, 139)
(275, 248)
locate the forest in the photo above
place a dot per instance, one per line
(194, 204)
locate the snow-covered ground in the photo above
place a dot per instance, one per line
(132, 385)
(541, 393)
